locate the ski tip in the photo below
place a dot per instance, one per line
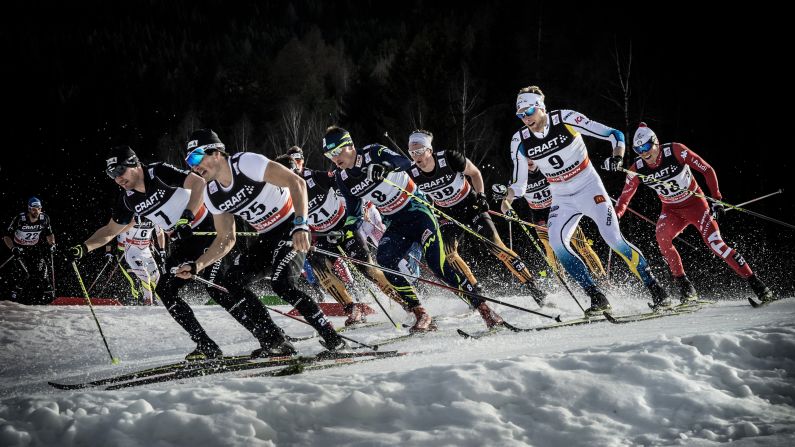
(609, 317)
(558, 319)
(463, 334)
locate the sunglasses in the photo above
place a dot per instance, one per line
(528, 112)
(195, 157)
(643, 148)
(116, 171)
(334, 152)
(419, 151)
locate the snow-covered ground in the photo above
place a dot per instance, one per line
(725, 373)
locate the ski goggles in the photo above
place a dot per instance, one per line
(528, 112)
(115, 171)
(643, 148)
(333, 146)
(195, 157)
(418, 152)
(296, 156)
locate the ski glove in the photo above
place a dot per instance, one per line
(718, 211)
(183, 229)
(613, 164)
(16, 250)
(74, 253)
(481, 204)
(377, 171)
(190, 264)
(109, 256)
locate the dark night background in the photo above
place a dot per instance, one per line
(80, 77)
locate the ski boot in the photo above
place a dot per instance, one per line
(599, 303)
(205, 350)
(333, 344)
(424, 321)
(354, 314)
(491, 318)
(760, 289)
(274, 348)
(659, 297)
(687, 293)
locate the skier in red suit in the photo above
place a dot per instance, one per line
(667, 168)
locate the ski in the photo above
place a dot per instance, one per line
(756, 304)
(299, 368)
(154, 371)
(220, 369)
(512, 328)
(339, 331)
(676, 310)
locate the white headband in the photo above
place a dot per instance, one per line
(421, 138)
(526, 100)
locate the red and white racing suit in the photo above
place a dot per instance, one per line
(674, 186)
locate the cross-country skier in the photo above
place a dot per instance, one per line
(136, 242)
(553, 140)
(667, 169)
(172, 199)
(272, 199)
(326, 211)
(442, 176)
(25, 238)
(539, 200)
(360, 176)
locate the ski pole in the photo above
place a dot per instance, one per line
(215, 233)
(52, 270)
(727, 205)
(436, 210)
(434, 283)
(100, 274)
(356, 271)
(510, 236)
(10, 258)
(386, 134)
(549, 263)
(758, 198)
(609, 260)
(198, 278)
(377, 301)
(112, 272)
(113, 360)
(373, 347)
(537, 227)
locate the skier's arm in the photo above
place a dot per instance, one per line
(9, 242)
(519, 179)
(222, 244)
(698, 164)
(196, 185)
(278, 175)
(630, 187)
(104, 235)
(475, 176)
(51, 239)
(595, 129)
(160, 237)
